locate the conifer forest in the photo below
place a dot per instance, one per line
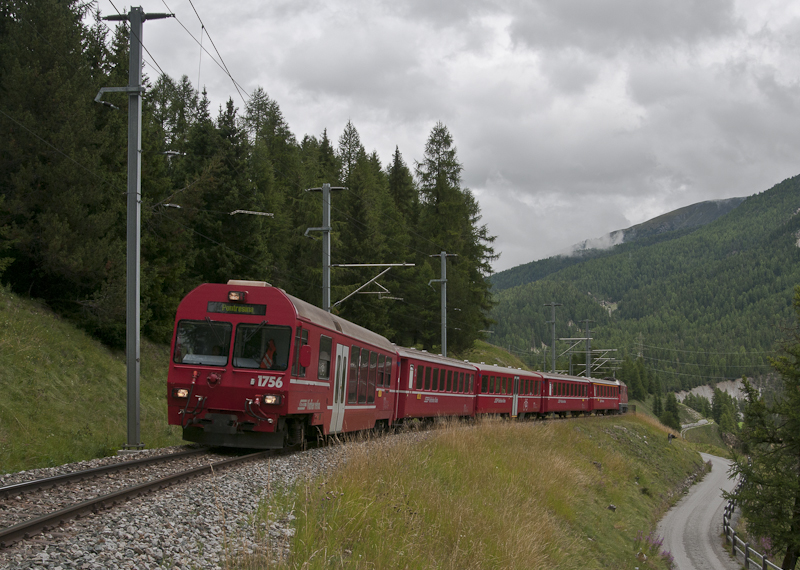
(63, 167)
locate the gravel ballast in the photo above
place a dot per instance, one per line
(201, 523)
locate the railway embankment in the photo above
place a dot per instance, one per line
(583, 493)
(64, 393)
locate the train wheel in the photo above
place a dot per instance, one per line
(297, 432)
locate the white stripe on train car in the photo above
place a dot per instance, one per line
(309, 382)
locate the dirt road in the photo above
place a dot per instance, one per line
(692, 529)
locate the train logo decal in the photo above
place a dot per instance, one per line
(309, 405)
(431, 400)
(499, 400)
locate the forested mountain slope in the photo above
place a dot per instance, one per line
(663, 228)
(699, 307)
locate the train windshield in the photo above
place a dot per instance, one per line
(262, 346)
(203, 342)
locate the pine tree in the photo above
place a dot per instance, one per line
(669, 417)
(63, 197)
(449, 220)
(770, 497)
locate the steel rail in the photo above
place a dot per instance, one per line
(28, 529)
(48, 482)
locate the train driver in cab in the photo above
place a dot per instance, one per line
(268, 360)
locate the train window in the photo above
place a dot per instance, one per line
(300, 339)
(352, 382)
(427, 377)
(420, 376)
(484, 384)
(203, 342)
(461, 382)
(435, 385)
(471, 378)
(449, 380)
(381, 364)
(324, 366)
(373, 369)
(527, 386)
(261, 346)
(363, 373)
(387, 377)
(491, 384)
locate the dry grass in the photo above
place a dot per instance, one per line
(496, 494)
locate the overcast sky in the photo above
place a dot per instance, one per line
(572, 118)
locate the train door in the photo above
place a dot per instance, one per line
(339, 384)
(515, 399)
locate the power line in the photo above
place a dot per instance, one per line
(125, 23)
(222, 65)
(708, 352)
(679, 363)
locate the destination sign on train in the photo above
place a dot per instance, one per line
(236, 308)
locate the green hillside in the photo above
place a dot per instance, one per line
(666, 227)
(703, 306)
(64, 394)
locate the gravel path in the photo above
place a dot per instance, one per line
(197, 524)
(692, 529)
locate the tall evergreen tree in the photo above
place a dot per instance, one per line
(770, 496)
(449, 220)
(62, 204)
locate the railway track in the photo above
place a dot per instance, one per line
(55, 500)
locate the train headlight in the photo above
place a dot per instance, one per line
(180, 393)
(273, 399)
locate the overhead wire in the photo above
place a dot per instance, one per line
(127, 26)
(222, 66)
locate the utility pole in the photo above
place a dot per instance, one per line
(444, 255)
(136, 17)
(588, 349)
(553, 304)
(326, 241)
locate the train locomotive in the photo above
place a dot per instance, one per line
(254, 367)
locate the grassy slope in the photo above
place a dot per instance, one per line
(500, 494)
(484, 352)
(64, 394)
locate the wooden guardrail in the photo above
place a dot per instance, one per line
(752, 558)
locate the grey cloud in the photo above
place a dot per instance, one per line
(611, 26)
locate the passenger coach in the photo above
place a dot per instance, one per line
(508, 391)
(432, 385)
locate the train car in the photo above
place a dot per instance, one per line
(255, 367)
(566, 395)
(623, 397)
(605, 396)
(432, 385)
(508, 391)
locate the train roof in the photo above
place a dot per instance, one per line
(434, 358)
(483, 367)
(317, 316)
(312, 314)
(566, 377)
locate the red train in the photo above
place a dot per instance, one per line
(255, 367)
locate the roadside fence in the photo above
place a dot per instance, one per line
(752, 558)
